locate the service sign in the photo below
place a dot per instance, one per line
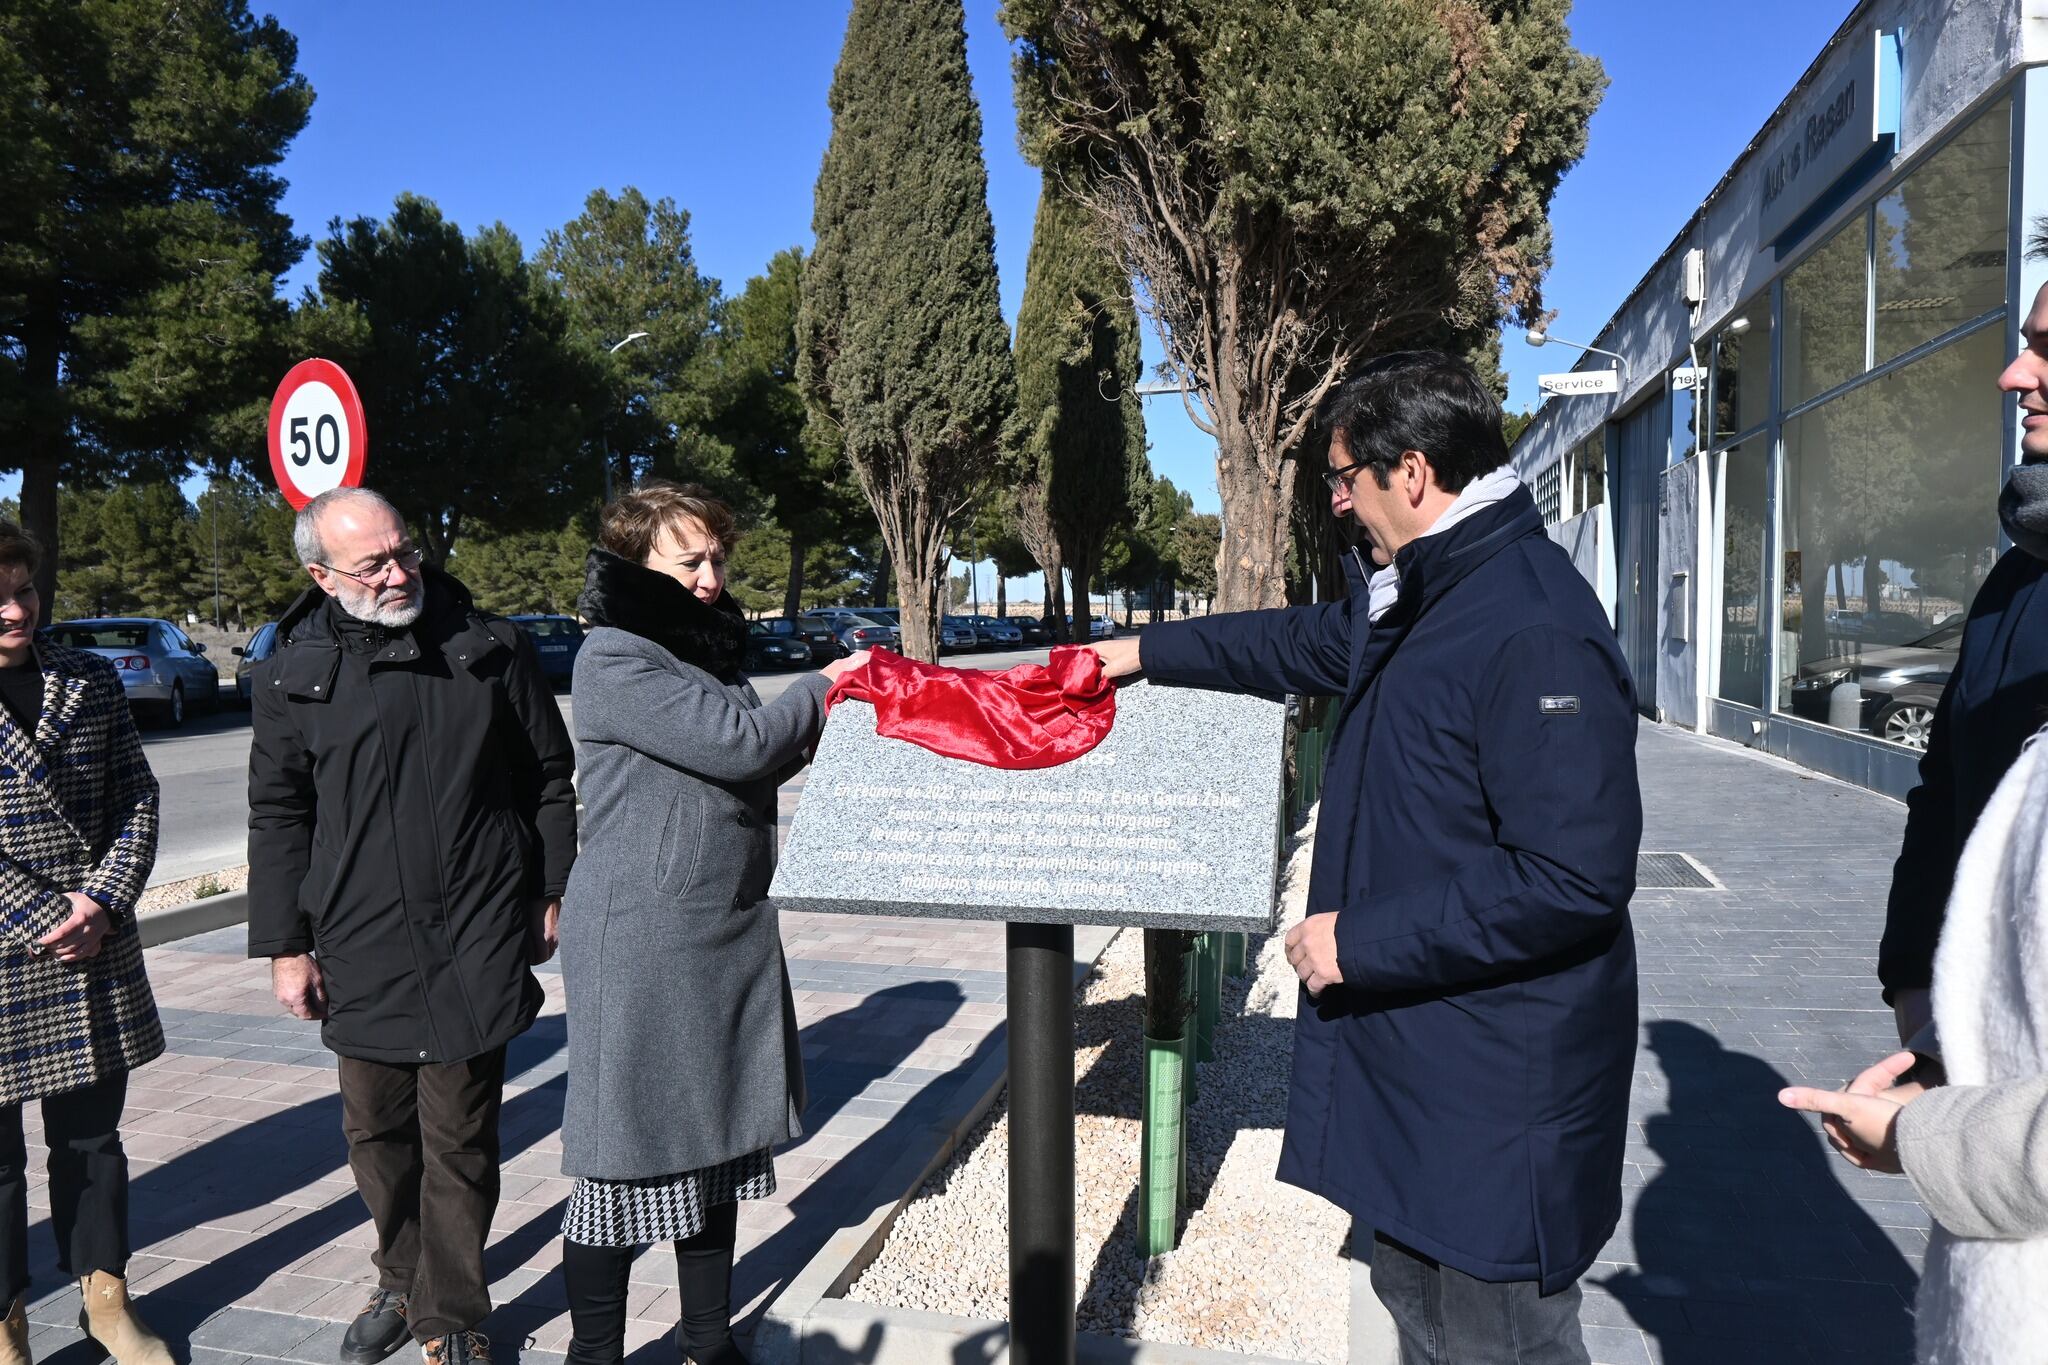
(1689, 377)
(1580, 382)
(317, 435)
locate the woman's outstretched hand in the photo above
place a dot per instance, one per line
(1862, 1120)
(857, 659)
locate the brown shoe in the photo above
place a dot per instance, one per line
(457, 1348)
(110, 1319)
(14, 1336)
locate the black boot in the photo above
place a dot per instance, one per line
(377, 1331)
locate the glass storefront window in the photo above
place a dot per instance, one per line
(1888, 523)
(1742, 372)
(1587, 465)
(1941, 238)
(1825, 298)
(1742, 571)
(1685, 413)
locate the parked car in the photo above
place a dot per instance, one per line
(1099, 628)
(814, 631)
(957, 633)
(557, 639)
(163, 670)
(261, 646)
(997, 632)
(858, 632)
(1032, 629)
(1900, 684)
(767, 651)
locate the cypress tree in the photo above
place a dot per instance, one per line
(903, 355)
(141, 239)
(1079, 427)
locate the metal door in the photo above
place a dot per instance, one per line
(1641, 454)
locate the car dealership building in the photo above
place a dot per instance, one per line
(1789, 499)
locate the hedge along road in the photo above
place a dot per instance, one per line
(204, 771)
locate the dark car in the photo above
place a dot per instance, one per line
(997, 632)
(957, 633)
(767, 651)
(1031, 629)
(557, 639)
(1900, 684)
(163, 670)
(814, 631)
(858, 632)
(261, 646)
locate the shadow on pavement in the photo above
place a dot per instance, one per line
(1749, 1245)
(244, 1170)
(844, 1054)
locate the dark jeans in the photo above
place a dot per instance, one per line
(1446, 1317)
(596, 1281)
(423, 1144)
(88, 1184)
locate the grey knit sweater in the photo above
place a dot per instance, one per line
(1978, 1156)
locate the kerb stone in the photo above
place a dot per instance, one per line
(1171, 822)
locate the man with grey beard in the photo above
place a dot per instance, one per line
(411, 827)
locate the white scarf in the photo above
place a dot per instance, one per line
(1985, 1302)
(1483, 492)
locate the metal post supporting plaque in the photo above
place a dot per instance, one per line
(1041, 1032)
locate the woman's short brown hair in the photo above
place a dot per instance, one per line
(633, 522)
(19, 549)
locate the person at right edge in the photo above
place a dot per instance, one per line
(1995, 701)
(1462, 1057)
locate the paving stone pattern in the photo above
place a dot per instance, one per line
(1742, 1240)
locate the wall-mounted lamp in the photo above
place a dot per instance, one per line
(1540, 336)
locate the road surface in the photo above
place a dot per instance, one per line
(204, 769)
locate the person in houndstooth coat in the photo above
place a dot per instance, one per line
(78, 831)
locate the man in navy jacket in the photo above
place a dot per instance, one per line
(1462, 1061)
(1995, 701)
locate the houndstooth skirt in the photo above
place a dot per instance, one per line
(663, 1208)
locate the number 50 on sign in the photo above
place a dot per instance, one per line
(317, 435)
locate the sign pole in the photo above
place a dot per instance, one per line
(1041, 1040)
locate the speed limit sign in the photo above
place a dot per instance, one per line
(317, 437)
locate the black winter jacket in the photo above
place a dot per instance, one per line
(407, 806)
(1996, 700)
(1465, 1091)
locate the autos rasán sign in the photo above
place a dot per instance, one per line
(317, 435)
(1580, 382)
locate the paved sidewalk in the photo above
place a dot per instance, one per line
(1742, 1239)
(250, 1238)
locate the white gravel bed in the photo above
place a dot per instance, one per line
(168, 894)
(1261, 1267)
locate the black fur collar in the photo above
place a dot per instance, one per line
(635, 598)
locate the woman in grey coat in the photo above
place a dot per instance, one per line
(683, 1065)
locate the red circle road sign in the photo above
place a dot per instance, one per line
(317, 435)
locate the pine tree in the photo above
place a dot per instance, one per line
(625, 265)
(903, 354)
(1079, 427)
(780, 468)
(140, 236)
(475, 395)
(246, 529)
(1298, 188)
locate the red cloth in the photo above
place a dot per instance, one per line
(1030, 716)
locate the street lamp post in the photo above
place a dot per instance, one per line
(604, 435)
(1540, 336)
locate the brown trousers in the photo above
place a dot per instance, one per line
(423, 1144)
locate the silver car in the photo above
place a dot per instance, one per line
(163, 670)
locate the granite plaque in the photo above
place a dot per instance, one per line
(1171, 822)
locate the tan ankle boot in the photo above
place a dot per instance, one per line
(14, 1336)
(108, 1318)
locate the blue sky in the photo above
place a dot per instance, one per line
(516, 110)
